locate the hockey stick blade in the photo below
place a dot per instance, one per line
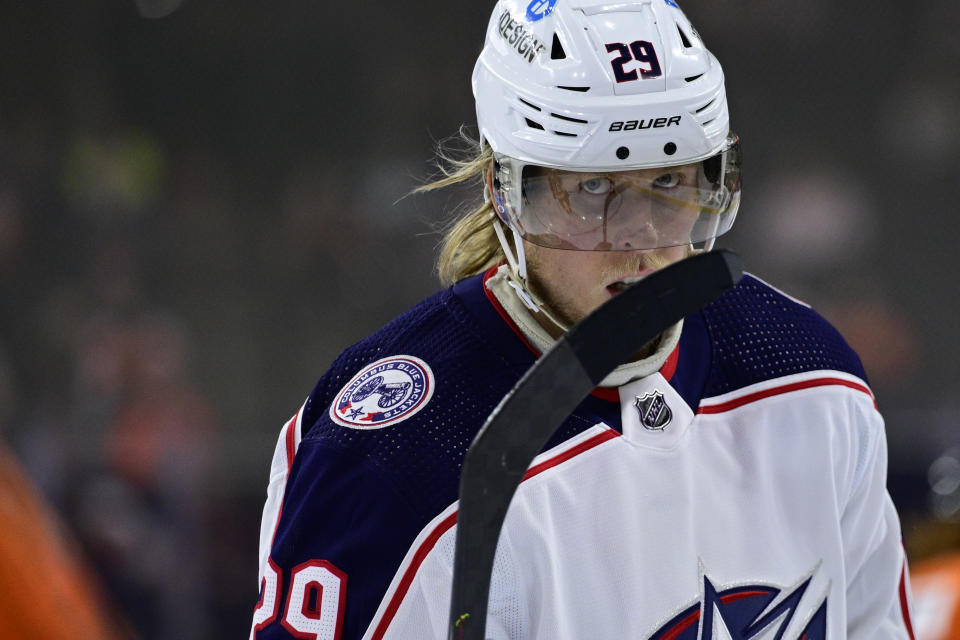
(522, 423)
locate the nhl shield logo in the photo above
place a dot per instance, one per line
(654, 412)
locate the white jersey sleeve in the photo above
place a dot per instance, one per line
(280, 465)
(877, 601)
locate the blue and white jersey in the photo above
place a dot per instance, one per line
(739, 492)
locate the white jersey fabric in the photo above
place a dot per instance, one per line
(778, 485)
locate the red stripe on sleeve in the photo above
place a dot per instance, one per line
(905, 603)
(590, 443)
(291, 440)
(787, 388)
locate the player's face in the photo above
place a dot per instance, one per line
(574, 283)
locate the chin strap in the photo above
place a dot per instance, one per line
(517, 278)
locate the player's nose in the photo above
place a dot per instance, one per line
(634, 232)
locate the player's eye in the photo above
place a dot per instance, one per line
(667, 180)
(597, 186)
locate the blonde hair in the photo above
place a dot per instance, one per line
(470, 245)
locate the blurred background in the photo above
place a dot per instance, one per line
(197, 213)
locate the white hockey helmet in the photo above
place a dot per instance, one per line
(614, 89)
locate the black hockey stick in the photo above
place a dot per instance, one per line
(518, 428)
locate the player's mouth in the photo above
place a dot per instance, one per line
(623, 282)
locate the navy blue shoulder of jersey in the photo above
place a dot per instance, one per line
(357, 498)
(754, 333)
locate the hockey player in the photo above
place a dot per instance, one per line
(727, 482)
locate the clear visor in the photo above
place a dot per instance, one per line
(631, 210)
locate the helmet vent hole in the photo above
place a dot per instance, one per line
(704, 124)
(683, 38)
(569, 119)
(532, 106)
(670, 148)
(706, 106)
(556, 51)
(623, 153)
(692, 78)
(534, 125)
(580, 89)
(564, 133)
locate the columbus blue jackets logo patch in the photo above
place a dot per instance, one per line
(655, 414)
(755, 612)
(384, 393)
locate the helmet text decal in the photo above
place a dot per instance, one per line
(519, 38)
